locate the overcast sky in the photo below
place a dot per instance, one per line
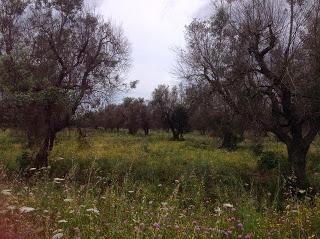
(154, 28)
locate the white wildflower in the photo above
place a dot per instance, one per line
(6, 192)
(130, 192)
(59, 179)
(32, 169)
(302, 191)
(11, 208)
(62, 221)
(26, 209)
(58, 236)
(227, 205)
(68, 200)
(93, 210)
(218, 210)
(57, 231)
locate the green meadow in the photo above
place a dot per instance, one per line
(114, 185)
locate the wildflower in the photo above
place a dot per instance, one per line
(240, 226)
(11, 208)
(159, 185)
(58, 180)
(248, 236)
(218, 211)
(130, 192)
(26, 209)
(58, 236)
(176, 181)
(302, 191)
(164, 204)
(68, 200)
(141, 226)
(62, 221)
(32, 169)
(57, 231)
(94, 210)
(6, 192)
(176, 226)
(156, 226)
(227, 205)
(227, 232)
(194, 222)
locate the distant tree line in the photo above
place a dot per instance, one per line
(178, 109)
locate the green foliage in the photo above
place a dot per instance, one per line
(25, 161)
(268, 161)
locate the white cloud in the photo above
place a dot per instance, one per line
(153, 27)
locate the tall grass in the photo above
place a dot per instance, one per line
(113, 185)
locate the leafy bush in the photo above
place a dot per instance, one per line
(24, 161)
(268, 161)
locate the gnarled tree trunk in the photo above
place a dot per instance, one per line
(297, 156)
(41, 159)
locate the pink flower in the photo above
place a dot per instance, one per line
(141, 226)
(240, 226)
(248, 236)
(156, 225)
(227, 232)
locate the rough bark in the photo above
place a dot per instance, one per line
(297, 156)
(42, 156)
(51, 140)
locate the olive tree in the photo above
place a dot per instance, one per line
(57, 57)
(262, 58)
(170, 108)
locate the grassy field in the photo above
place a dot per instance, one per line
(120, 186)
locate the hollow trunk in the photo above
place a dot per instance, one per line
(297, 154)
